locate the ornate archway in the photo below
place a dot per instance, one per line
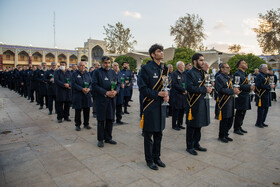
(97, 53)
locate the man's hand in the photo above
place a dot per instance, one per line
(273, 86)
(166, 98)
(51, 80)
(208, 89)
(84, 90)
(253, 87)
(66, 85)
(236, 91)
(122, 85)
(111, 94)
(185, 93)
(22, 83)
(163, 94)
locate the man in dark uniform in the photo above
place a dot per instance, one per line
(216, 95)
(127, 75)
(37, 84)
(24, 86)
(225, 90)
(178, 91)
(62, 79)
(106, 86)
(273, 93)
(20, 80)
(81, 85)
(51, 87)
(242, 102)
(28, 81)
(263, 100)
(197, 107)
(154, 114)
(119, 101)
(96, 66)
(42, 86)
(33, 83)
(254, 75)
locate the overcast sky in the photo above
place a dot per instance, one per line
(25, 22)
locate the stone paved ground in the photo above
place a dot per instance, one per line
(40, 152)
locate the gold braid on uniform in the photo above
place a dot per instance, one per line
(260, 92)
(224, 100)
(192, 99)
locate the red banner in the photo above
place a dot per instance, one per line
(1, 62)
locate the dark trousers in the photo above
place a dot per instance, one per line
(24, 90)
(51, 99)
(225, 125)
(119, 112)
(37, 95)
(262, 113)
(238, 120)
(63, 108)
(78, 120)
(32, 94)
(177, 117)
(152, 147)
(125, 102)
(93, 105)
(28, 91)
(104, 130)
(217, 110)
(193, 137)
(41, 100)
(273, 96)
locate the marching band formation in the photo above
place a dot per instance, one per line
(163, 93)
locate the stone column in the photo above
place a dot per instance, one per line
(55, 57)
(16, 58)
(89, 57)
(67, 60)
(44, 56)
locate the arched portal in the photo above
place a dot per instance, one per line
(97, 53)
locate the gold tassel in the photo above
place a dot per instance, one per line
(190, 115)
(220, 115)
(217, 99)
(260, 102)
(142, 122)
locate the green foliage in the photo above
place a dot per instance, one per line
(123, 58)
(252, 61)
(145, 60)
(182, 54)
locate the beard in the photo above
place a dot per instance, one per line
(198, 66)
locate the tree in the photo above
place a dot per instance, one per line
(188, 32)
(252, 61)
(235, 48)
(268, 32)
(182, 54)
(118, 39)
(145, 60)
(123, 58)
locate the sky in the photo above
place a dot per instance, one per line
(30, 22)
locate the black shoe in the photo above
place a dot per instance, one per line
(160, 163)
(28, 99)
(78, 128)
(242, 130)
(192, 151)
(216, 117)
(67, 119)
(131, 100)
(176, 128)
(121, 122)
(128, 105)
(40, 108)
(152, 166)
(37, 103)
(126, 112)
(31, 101)
(59, 120)
(122, 113)
(181, 127)
(224, 140)
(94, 115)
(260, 126)
(265, 125)
(50, 113)
(87, 127)
(229, 139)
(199, 148)
(100, 144)
(110, 141)
(238, 132)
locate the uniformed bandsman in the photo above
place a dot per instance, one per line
(127, 75)
(178, 90)
(51, 87)
(197, 107)
(154, 114)
(243, 101)
(42, 86)
(263, 96)
(224, 86)
(105, 86)
(62, 79)
(81, 85)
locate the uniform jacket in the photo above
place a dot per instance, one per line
(60, 78)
